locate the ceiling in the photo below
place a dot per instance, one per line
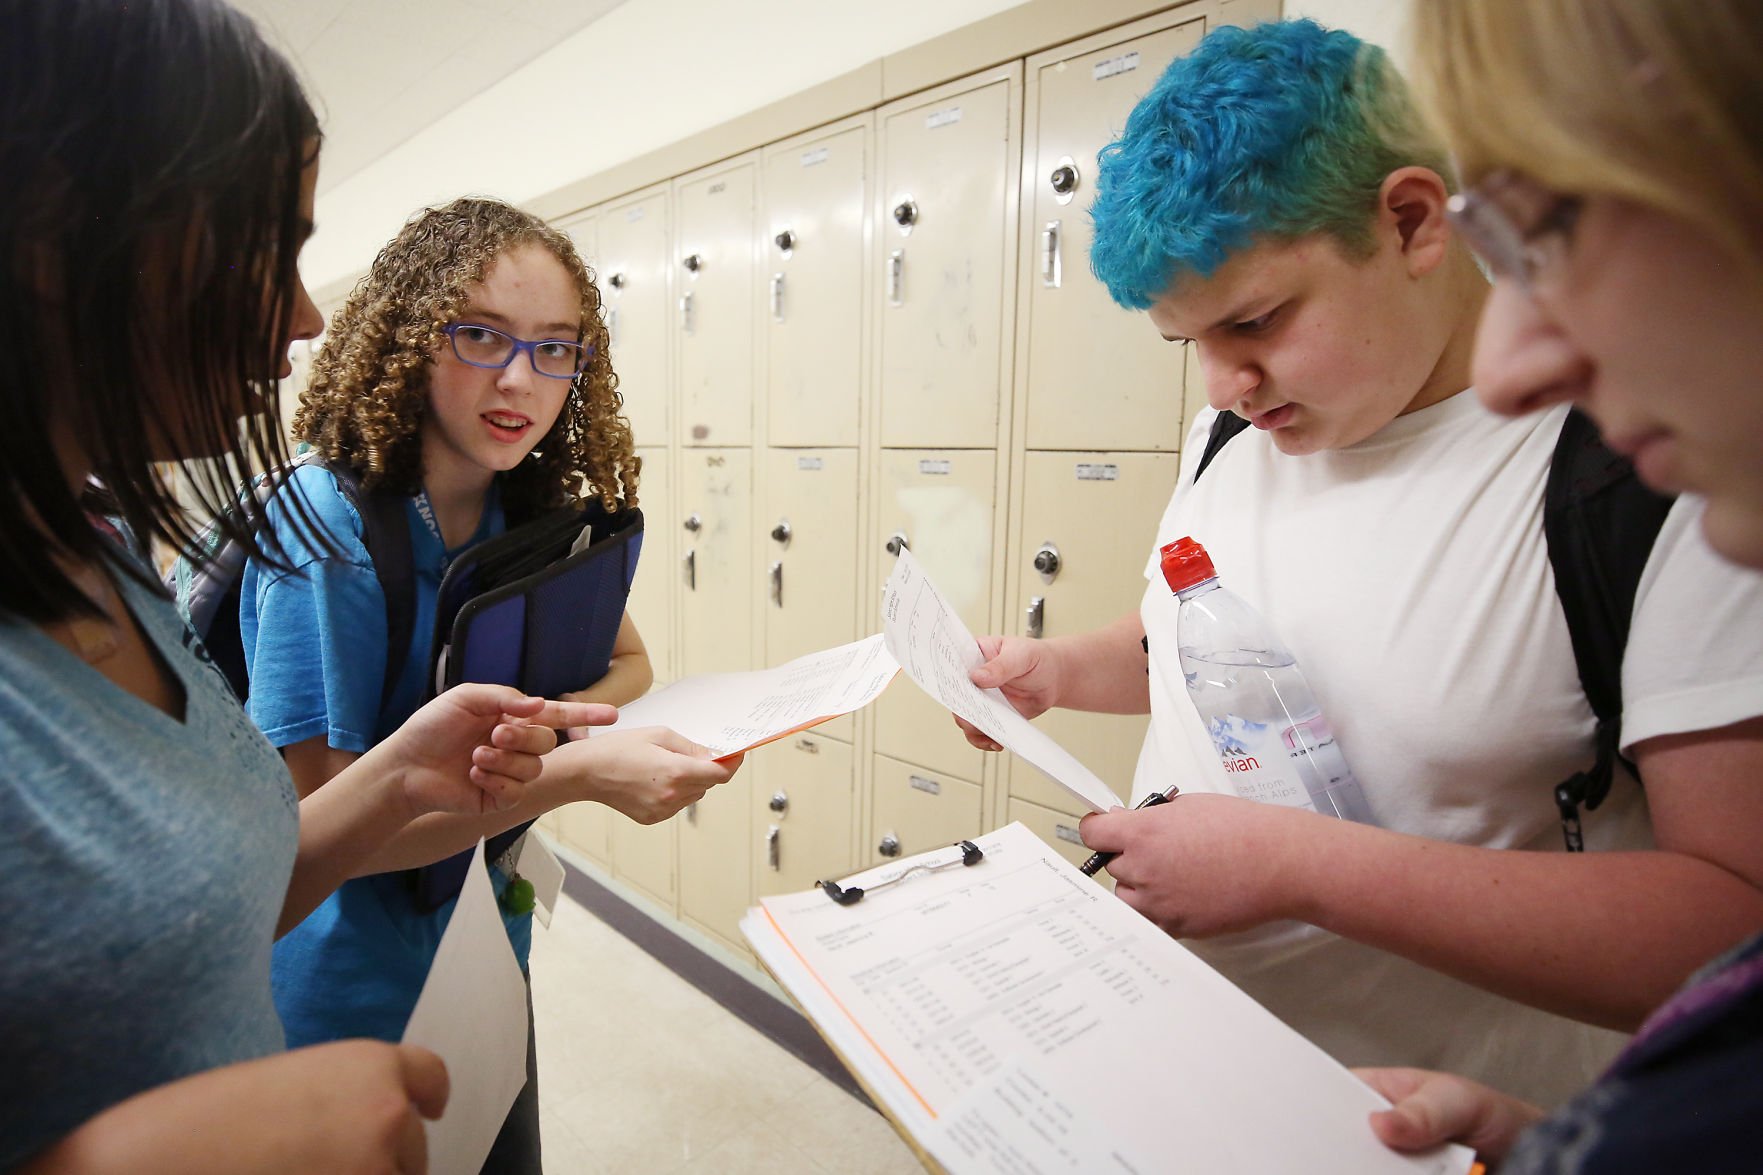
(379, 71)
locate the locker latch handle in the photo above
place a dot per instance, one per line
(771, 847)
(777, 297)
(1037, 608)
(1051, 271)
(685, 313)
(897, 278)
(691, 570)
(777, 583)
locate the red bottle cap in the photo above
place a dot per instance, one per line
(1185, 563)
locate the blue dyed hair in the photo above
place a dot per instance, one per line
(1267, 133)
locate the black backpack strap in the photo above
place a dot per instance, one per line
(1600, 521)
(1224, 426)
(386, 534)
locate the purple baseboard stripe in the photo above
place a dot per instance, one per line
(771, 1018)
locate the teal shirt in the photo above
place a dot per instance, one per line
(315, 645)
(143, 866)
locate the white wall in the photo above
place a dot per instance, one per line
(1383, 22)
(647, 74)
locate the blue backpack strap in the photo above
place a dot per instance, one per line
(385, 532)
(1600, 521)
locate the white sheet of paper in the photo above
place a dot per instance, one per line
(472, 1012)
(1015, 1017)
(935, 649)
(729, 712)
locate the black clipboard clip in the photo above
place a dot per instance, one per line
(971, 854)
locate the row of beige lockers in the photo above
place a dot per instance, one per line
(884, 332)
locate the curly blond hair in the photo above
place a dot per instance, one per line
(368, 395)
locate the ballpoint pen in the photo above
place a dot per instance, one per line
(1096, 861)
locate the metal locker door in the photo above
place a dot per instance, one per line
(714, 307)
(939, 504)
(815, 197)
(587, 828)
(941, 249)
(715, 508)
(1088, 522)
(802, 789)
(650, 605)
(1099, 376)
(643, 855)
(1058, 828)
(914, 811)
(810, 523)
(716, 859)
(631, 271)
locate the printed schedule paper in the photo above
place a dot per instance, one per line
(1013, 1016)
(732, 712)
(929, 641)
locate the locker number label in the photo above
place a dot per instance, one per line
(818, 155)
(947, 116)
(811, 464)
(937, 467)
(926, 785)
(632, 215)
(1087, 471)
(1113, 66)
(1066, 832)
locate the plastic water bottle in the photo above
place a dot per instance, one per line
(1269, 733)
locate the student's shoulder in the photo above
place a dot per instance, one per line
(311, 496)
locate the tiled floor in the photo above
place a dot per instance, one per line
(641, 1073)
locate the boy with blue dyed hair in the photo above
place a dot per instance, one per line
(1274, 202)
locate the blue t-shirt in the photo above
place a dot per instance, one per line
(315, 647)
(142, 870)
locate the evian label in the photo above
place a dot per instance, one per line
(1257, 759)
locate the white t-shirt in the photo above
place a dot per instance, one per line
(1409, 575)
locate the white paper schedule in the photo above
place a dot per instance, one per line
(935, 649)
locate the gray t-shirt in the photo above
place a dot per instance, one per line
(143, 865)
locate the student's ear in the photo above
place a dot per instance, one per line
(1411, 205)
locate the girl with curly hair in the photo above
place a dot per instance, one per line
(468, 375)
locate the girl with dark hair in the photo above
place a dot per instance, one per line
(156, 184)
(468, 375)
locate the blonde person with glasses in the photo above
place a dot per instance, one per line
(467, 378)
(1613, 152)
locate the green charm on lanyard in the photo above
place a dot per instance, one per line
(519, 897)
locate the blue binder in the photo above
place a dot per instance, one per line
(537, 608)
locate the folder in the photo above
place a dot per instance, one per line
(538, 608)
(1008, 1014)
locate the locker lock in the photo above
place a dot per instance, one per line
(617, 281)
(786, 241)
(693, 262)
(781, 532)
(889, 846)
(897, 542)
(906, 213)
(694, 523)
(1047, 562)
(779, 803)
(1064, 178)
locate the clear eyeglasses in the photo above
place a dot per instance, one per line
(1521, 229)
(484, 346)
